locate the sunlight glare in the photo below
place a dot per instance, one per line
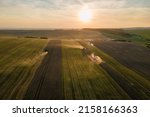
(85, 15)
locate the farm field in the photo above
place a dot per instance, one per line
(129, 55)
(85, 80)
(19, 59)
(65, 66)
(142, 32)
(125, 77)
(47, 82)
(137, 36)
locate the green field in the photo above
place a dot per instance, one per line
(19, 59)
(139, 36)
(132, 77)
(144, 33)
(65, 70)
(85, 80)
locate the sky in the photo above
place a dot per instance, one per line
(65, 13)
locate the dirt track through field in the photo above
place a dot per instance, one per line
(133, 56)
(47, 83)
(130, 88)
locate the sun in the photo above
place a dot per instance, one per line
(85, 15)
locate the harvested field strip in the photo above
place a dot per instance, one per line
(35, 86)
(132, 91)
(16, 75)
(52, 86)
(136, 81)
(47, 83)
(84, 79)
(133, 56)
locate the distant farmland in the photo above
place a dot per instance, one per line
(62, 64)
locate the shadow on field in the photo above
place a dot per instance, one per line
(130, 88)
(47, 83)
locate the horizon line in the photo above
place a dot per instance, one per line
(72, 28)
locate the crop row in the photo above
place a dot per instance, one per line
(85, 80)
(19, 59)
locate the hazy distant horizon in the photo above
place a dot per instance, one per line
(72, 28)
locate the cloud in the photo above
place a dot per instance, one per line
(65, 12)
(62, 4)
